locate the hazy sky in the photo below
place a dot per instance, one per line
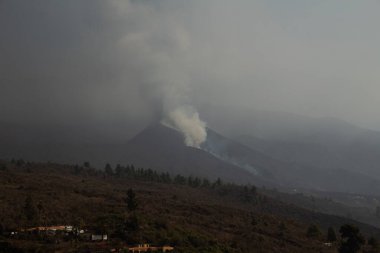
(129, 61)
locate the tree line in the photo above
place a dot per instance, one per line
(131, 172)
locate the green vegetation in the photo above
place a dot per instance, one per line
(313, 231)
(331, 235)
(131, 200)
(352, 240)
(373, 243)
(108, 170)
(30, 211)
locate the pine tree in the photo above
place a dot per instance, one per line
(118, 170)
(131, 200)
(352, 240)
(217, 183)
(30, 211)
(206, 183)
(108, 169)
(331, 235)
(3, 167)
(313, 231)
(373, 243)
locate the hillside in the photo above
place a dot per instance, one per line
(162, 148)
(213, 217)
(156, 146)
(327, 143)
(358, 207)
(255, 160)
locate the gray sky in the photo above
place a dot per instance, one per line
(130, 61)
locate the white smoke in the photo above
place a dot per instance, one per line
(160, 48)
(186, 120)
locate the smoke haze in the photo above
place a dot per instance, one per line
(119, 65)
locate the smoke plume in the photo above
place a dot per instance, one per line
(187, 121)
(162, 54)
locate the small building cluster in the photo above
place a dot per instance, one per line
(148, 248)
(99, 237)
(99, 241)
(49, 229)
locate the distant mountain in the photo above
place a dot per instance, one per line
(157, 146)
(320, 144)
(162, 148)
(358, 153)
(286, 173)
(235, 121)
(242, 156)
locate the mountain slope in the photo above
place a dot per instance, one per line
(284, 173)
(321, 142)
(162, 148)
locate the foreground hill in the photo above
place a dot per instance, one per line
(189, 215)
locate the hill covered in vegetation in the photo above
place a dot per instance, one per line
(189, 213)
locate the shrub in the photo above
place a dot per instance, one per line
(313, 231)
